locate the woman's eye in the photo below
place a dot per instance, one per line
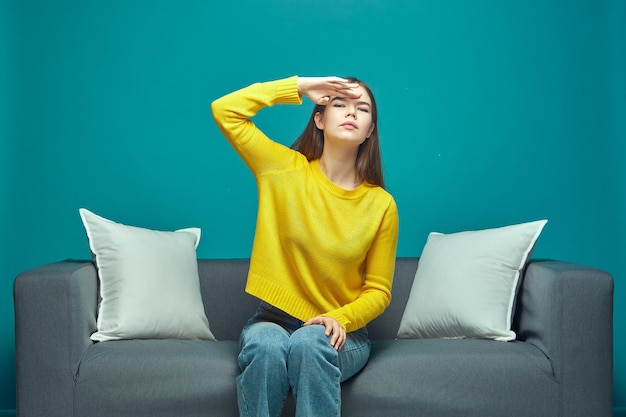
(364, 109)
(338, 105)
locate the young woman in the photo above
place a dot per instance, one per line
(324, 250)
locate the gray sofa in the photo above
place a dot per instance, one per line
(560, 364)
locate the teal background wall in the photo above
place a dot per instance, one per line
(491, 113)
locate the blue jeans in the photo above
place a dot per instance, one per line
(279, 353)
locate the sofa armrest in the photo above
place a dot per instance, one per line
(55, 313)
(566, 310)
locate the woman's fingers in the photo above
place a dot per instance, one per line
(321, 89)
(346, 87)
(338, 337)
(334, 330)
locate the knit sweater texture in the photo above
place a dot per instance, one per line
(319, 249)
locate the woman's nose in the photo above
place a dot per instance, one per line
(351, 112)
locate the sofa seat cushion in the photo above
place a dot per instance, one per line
(464, 377)
(158, 378)
(436, 377)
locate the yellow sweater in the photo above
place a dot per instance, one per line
(318, 249)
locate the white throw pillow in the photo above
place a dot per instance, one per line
(466, 283)
(149, 284)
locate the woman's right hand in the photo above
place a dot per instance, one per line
(320, 89)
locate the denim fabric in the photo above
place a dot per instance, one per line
(278, 353)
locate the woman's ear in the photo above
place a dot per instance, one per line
(371, 130)
(319, 120)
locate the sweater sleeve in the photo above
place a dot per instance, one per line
(232, 114)
(378, 277)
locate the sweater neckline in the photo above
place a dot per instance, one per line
(334, 188)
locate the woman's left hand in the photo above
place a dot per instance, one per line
(333, 328)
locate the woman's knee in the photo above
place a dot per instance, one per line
(265, 341)
(311, 341)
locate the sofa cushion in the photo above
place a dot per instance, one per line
(128, 378)
(149, 284)
(466, 283)
(451, 378)
(178, 377)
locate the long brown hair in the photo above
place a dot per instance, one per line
(368, 161)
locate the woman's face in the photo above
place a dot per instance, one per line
(348, 119)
